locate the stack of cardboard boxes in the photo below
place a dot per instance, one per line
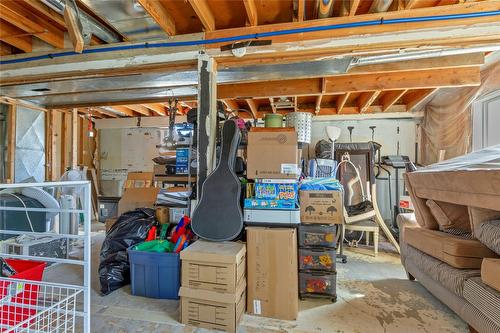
(273, 162)
(213, 285)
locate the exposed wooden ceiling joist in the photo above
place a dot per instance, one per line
(301, 7)
(123, 110)
(106, 112)
(139, 109)
(204, 13)
(16, 14)
(251, 11)
(391, 97)
(341, 100)
(366, 99)
(381, 28)
(14, 36)
(252, 106)
(413, 99)
(156, 10)
(232, 105)
(452, 77)
(157, 108)
(75, 35)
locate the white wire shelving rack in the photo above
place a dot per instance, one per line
(47, 306)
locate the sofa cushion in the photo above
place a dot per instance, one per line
(490, 272)
(455, 251)
(488, 233)
(449, 277)
(449, 216)
(478, 216)
(484, 298)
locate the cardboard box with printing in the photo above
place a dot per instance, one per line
(322, 207)
(211, 309)
(214, 266)
(272, 154)
(272, 272)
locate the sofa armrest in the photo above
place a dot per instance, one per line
(406, 221)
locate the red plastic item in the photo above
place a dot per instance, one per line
(26, 270)
(181, 228)
(151, 234)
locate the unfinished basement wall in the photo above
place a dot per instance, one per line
(390, 133)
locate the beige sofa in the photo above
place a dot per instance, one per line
(451, 245)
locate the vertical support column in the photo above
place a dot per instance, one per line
(207, 117)
(11, 142)
(64, 134)
(74, 139)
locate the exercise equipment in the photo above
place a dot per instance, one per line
(218, 215)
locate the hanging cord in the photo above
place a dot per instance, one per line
(25, 207)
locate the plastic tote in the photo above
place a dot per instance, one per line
(154, 275)
(26, 296)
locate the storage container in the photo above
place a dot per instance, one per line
(317, 259)
(155, 275)
(318, 283)
(317, 235)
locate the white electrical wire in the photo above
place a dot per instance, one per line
(25, 207)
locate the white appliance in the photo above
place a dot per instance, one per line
(271, 217)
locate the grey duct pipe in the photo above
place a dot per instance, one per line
(325, 8)
(379, 6)
(94, 26)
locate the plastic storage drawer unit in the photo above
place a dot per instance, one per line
(318, 284)
(317, 235)
(155, 275)
(322, 259)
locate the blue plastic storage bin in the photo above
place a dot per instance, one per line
(154, 275)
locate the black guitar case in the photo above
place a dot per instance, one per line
(218, 216)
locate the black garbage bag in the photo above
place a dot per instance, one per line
(130, 229)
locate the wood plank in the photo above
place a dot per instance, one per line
(49, 14)
(16, 14)
(452, 77)
(156, 10)
(75, 35)
(51, 145)
(158, 108)
(251, 10)
(11, 142)
(341, 100)
(366, 99)
(81, 139)
(301, 8)
(271, 103)
(124, 110)
(204, 13)
(252, 106)
(413, 99)
(317, 109)
(14, 36)
(107, 113)
(230, 104)
(74, 139)
(139, 109)
(64, 134)
(354, 4)
(390, 98)
(376, 29)
(6, 49)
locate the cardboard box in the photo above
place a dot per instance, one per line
(276, 191)
(213, 266)
(213, 310)
(272, 154)
(136, 198)
(322, 207)
(138, 179)
(272, 272)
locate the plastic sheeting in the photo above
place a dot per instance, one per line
(447, 122)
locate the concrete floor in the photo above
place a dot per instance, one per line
(373, 296)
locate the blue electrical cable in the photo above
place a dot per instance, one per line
(149, 45)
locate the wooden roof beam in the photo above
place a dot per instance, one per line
(123, 110)
(16, 14)
(390, 98)
(301, 8)
(349, 8)
(204, 13)
(317, 109)
(231, 104)
(158, 108)
(413, 99)
(106, 112)
(156, 10)
(139, 109)
(75, 35)
(271, 103)
(475, 7)
(251, 10)
(449, 77)
(252, 106)
(14, 36)
(366, 99)
(341, 100)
